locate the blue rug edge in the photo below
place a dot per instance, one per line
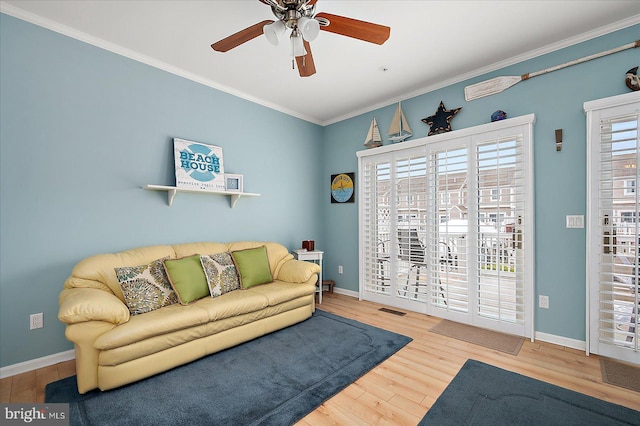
(449, 409)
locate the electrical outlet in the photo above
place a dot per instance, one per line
(36, 321)
(340, 270)
(543, 301)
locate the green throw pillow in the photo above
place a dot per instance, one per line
(187, 278)
(253, 266)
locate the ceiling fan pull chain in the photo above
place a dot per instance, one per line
(293, 56)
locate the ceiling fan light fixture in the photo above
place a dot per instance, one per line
(274, 31)
(309, 27)
(297, 44)
(300, 18)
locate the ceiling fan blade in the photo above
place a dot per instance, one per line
(366, 31)
(235, 40)
(306, 66)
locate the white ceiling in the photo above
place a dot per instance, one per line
(432, 44)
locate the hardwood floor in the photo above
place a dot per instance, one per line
(29, 386)
(401, 389)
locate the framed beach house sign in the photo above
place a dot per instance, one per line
(198, 166)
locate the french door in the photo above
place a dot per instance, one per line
(613, 225)
(395, 200)
(446, 226)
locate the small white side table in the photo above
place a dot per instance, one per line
(314, 256)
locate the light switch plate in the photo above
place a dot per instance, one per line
(575, 221)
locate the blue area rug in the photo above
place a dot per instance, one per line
(481, 394)
(276, 379)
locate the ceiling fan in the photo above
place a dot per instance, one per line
(300, 17)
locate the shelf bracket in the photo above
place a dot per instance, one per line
(234, 199)
(171, 194)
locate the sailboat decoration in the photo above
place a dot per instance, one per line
(399, 129)
(373, 138)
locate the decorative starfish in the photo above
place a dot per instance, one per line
(440, 122)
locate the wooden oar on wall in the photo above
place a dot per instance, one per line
(499, 84)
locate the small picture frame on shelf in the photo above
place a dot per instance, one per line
(233, 183)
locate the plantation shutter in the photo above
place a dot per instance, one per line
(449, 204)
(613, 228)
(410, 179)
(499, 216)
(375, 210)
(477, 194)
(618, 212)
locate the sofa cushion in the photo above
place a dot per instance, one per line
(157, 323)
(253, 266)
(279, 292)
(187, 278)
(146, 287)
(221, 273)
(232, 304)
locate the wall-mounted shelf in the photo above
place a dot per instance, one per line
(172, 191)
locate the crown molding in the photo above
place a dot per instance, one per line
(136, 56)
(600, 31)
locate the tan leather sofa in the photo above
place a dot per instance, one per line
(114, 348)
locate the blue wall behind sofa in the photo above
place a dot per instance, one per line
(83, 129)
(557, 101)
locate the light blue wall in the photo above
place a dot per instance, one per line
(83, 129)
(560, 177)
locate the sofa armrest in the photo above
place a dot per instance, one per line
(90, 304)
(297, 271)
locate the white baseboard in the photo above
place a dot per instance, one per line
(346, 292)
(545, 337)
(34, 364)
(562, 341)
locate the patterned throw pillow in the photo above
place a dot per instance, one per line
(146, 287)
(221, 273)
